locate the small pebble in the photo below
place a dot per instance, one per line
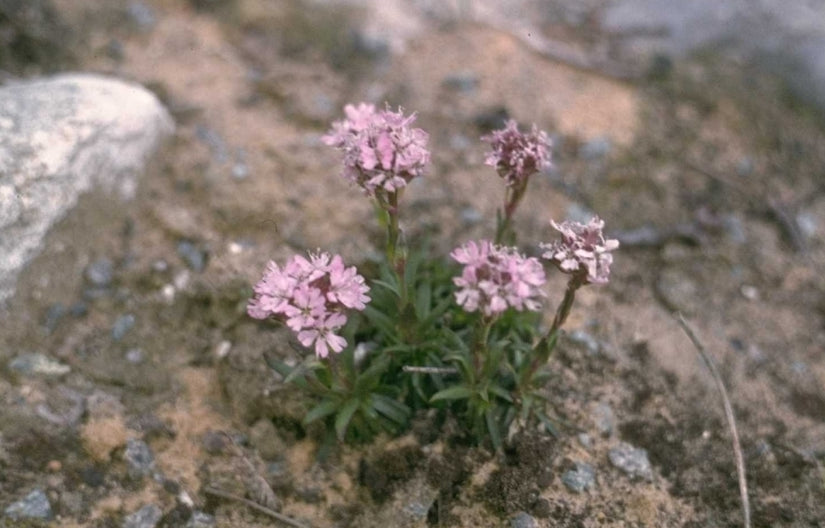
(141, 15)
(194, 256)
(581, 478)
(583, 338)
(100, 273)
(631, 460)
(134, 356)
(122, 325)
(200, 519)
(223, 349)
(35, 505)
(595, 148)
(523, 520)
(604, 418)
(146, 517)
(585, 440)
(750, 293)
(54, 314)
(139, 458)
(461, 82)
(38, 364)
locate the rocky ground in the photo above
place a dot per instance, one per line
(132, 381)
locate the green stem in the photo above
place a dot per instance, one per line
(480, 350)
(546, 345)
(512, 198)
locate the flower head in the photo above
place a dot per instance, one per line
(382, 151)
(310, 295)
(496, 278)
(582, 250)
(516, 155)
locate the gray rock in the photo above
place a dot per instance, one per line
(407, 509)
(122, 325)
(100, 272)
(35, 505)
(142, 15)
(461, 82)
(595, 148)
(586, 340)
(631, 460)
(38, 365)
(523, 520)
(585, 440)
(193, 255)
(200, 519)
(787, 38)
(134, 356)
(604, 418)
(139, 458)
(146, 517)
(59, 138)
(580, 479)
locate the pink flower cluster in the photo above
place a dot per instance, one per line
(310, 295)
(381, 149)
(496, 278)
(582, 250)
(517, 155)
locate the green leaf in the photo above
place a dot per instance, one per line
(391, 287)
(309, 364)
(322, 410)
(344, 417)
(439, 310)
(394, 410)
(501, 393)
(452, 393)
(380, 320)
(548, 424)
(423, 299)
(492, 428)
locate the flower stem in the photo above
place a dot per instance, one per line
(480, 350)
(512, 198)
(547, 343)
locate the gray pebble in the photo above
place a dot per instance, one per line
(523, 520)
(631, 460)
(461, 82)
(595, 148)
(139, 458)
(585, 440)
(581, 478)
(604, 418)
(134, 356)
(200, 519)
(54, 314)
(146, 517)
(100, 272)
(471, 215)
(37, 364)
(586, 340)
(192, 255)
(122, 325)
(141, 15)
(35, 505)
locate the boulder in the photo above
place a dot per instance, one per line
(60, 137)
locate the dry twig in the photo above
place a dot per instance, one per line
(255, 506)
(737, 448)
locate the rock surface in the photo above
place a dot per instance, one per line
(60, 137)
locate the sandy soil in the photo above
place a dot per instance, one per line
(720, 167)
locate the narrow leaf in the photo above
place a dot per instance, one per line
(344, 417)
(322, 410)
(395, 411)
(452, 393)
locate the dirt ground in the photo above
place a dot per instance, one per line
(709, 173)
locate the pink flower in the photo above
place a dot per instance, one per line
(582, 250)
(323, 336)
(382, 152)
(515, 155)
(496, 278)
(310, 295)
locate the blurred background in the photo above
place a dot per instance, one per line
(695, 129)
